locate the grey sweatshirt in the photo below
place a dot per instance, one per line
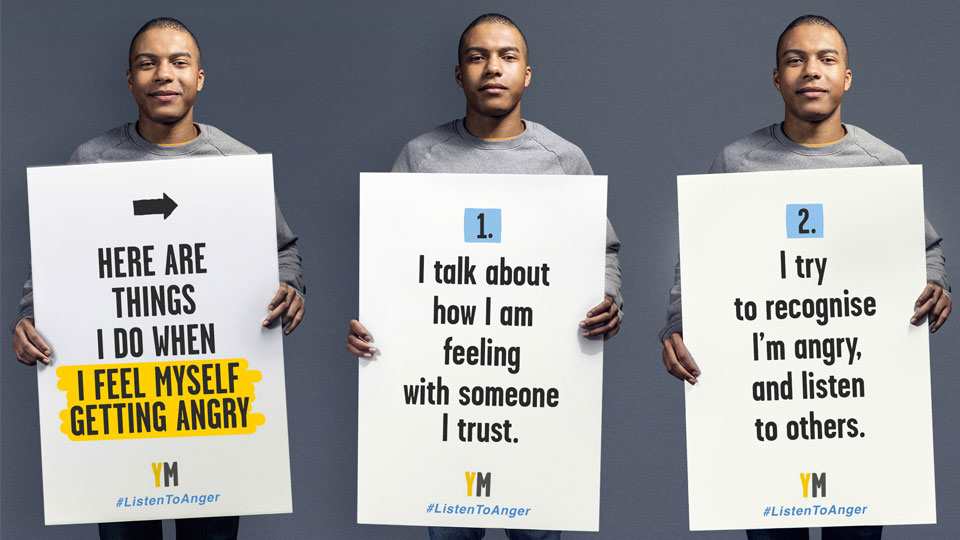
(125, 144)
(450, 148)
(769, 149)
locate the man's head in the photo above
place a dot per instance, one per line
(492, 65)
(164, 74)
(812, 72)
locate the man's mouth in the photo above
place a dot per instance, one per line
(164, 96)
(493, 88)
(812, 91)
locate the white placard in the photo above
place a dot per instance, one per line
(533, 462)
(121, 438)
(813, 408)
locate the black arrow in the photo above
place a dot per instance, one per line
(148, 207)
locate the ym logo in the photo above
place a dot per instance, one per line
(169, 473)
(814, 484)
(482, 481)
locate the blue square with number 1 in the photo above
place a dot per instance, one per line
(804, 221)
(481, 225)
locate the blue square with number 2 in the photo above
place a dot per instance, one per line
(481, 225)
(804, 221)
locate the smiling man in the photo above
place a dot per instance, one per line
(493, 70)
(165, 78)
(812, 75)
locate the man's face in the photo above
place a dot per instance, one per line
(812, 73)
(493, 70)
(165, 74)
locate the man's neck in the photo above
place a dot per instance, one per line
(828, 130)
(180, 132)
(493, 128)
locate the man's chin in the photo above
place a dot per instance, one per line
(166, 119)
(815, 116)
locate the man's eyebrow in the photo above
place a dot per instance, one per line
(803, 53)
(171, 55)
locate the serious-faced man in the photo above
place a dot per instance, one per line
(812, 75)
(165, 78)
(493, 70)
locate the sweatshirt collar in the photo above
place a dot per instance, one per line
(477, 142)
(130, 130)
(846, 142)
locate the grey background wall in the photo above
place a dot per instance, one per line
(648, 90)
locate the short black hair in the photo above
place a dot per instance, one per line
(819, 20)
(161, 22)
(492, 18)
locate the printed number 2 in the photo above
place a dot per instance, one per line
(805, 220)
(804, 213)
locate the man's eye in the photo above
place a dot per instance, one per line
(510, 57)
(829, 60)
(181, 63)
(475, 58)
(794, 61)
(146, 64)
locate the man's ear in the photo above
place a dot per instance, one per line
(458, 75)
(201, 76)
(776, 79)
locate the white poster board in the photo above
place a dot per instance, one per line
(524, 451)
(813, 407)
(165, 398)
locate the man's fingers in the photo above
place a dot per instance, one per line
(603, 329)
(358, 329)
(276, 312)
(594, 321)
(922, 311)
(941, 312)
(277, 298)
(595, 317)
(360, 347)
(29, 352)
(295, 304)
(684, 356)
(294, 322)
(941, 319)
(36, 339)
(925, 295)
(602, 306)
(673, 366)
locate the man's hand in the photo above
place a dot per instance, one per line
(28, 345)
(287, 303)
(604, 319)
(359, 340)
(935, 304)
(678, 361)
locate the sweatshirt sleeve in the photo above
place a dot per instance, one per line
(936, 263)
(576, 162)
(25, 307)
(613, 279)
(288, 255)
(674, 323)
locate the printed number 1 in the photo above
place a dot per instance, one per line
(482, 234)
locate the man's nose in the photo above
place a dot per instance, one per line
(493, 67)
(811, 71)
(164, 72)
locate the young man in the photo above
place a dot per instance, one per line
(165, 77)
(812, 74)
(493, 71)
